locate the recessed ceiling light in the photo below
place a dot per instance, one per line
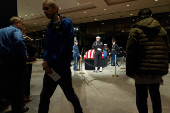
(34, 23)
(104, 9)
(44, 21)
(131, 14)
(102, 23)
(34, 30)
(25, 15)
(156, 0)
(128, 5)
(32, 14)
(95, 19)
(78, 3)
(84, 12)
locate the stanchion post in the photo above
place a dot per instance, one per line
(81, 65)
(115, 68)
(123, 63)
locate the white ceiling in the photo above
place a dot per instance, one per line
(75, 9)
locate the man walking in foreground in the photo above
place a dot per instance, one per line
(57, 56)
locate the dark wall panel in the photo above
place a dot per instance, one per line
(8, 9)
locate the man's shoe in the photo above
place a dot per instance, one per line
(27, 99)
(25, 109)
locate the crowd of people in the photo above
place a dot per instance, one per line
(146, 60)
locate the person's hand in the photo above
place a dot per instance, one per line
(27, 57)
(48, 70)
(45, 65)
(99, 49)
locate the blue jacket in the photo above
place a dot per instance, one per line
(58, 45)
(75, 51)
(12, 41)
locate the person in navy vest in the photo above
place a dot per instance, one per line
(76, 55)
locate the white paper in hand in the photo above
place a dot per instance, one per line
(54, 76)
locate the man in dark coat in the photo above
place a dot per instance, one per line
(98, 48)
(147, 59)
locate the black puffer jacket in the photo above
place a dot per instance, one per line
(147, 49)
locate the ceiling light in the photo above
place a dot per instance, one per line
(102, 23)
(34, 30)
(84, 12)
(19, 16)
(128, 5)
(44, 21)
(43, 35)
(166, 21)
(59, 7)
(68, 15)
(34, 23)
(131, 14)
(43, 31)
(78, 3)
(123, 31)
(32, 14)
(95, 19)
(104, 9)
(133, 20)
(156, 0)
(25, 15)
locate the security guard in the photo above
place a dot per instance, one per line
(76, 54)
(13, 56)
(98, 48)
(114, 50)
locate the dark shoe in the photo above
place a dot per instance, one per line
(25, 109)
(4, 104)
(27, 99)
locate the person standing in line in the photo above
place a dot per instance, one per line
(13, 56)
(76, 55)
(98, 49)
(57, 56)
(147, 59)
(31, 50)
(108, 52)
(114, 50)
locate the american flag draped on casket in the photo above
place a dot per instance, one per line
(90, 54)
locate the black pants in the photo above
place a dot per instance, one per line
(27, 87)
(49, 86)
(12, 81)
(98, 59)
(142, 95)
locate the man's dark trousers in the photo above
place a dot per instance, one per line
(75, 63)
(12, 80)
(49, 86)
(142, 95)
(27, 87)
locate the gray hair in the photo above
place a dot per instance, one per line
(52, 3)
(15, 20)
